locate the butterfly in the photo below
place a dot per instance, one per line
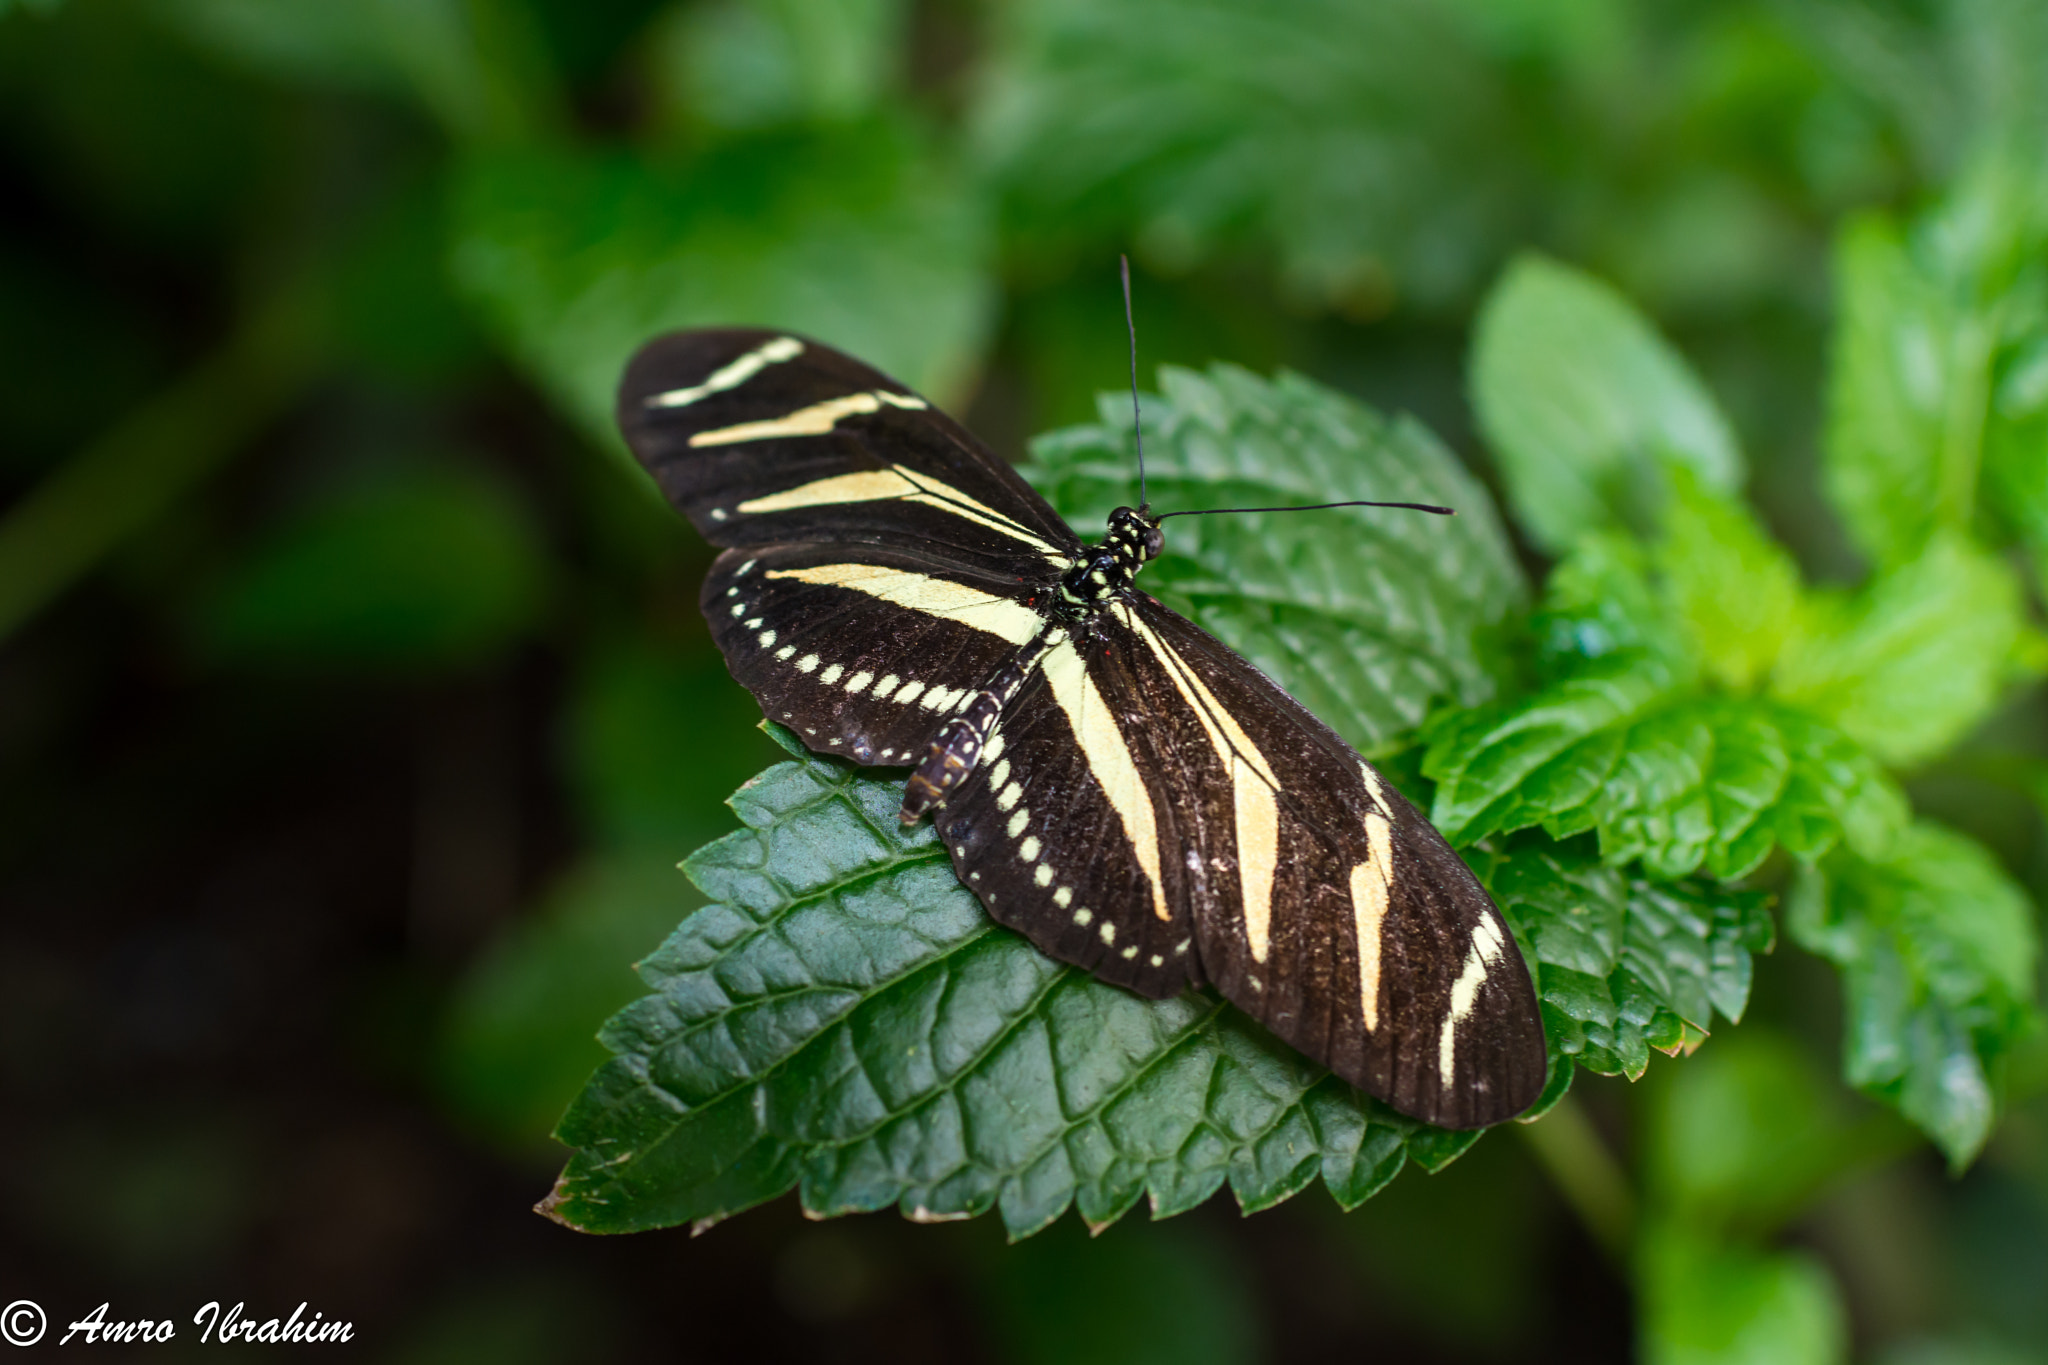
(1109, 779)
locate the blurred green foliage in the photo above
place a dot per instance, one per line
(1740, 309)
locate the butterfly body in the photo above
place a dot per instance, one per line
(1107, 778)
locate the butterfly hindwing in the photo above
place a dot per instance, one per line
(864, 657)
(1062, 835)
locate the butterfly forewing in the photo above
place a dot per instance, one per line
(761, 438)
(1147, 804)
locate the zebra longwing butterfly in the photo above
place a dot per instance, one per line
(1109, 779)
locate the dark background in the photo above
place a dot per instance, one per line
(355, 708)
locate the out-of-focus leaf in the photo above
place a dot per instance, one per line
(1966, 1348)
(654, 733)
(1367, 616)
(2016, 453)
(1944, 76)
(1363, 143)
(1582, 402)
(1932, 379)
(858, 237)
(1937, 948)
(1735, 1140)
(1622, 740)
(423, 567)
(846, 1020)
(519, 1035)
(741, 64)
(1739, 1136)
(1916, 658)
(1889, 384)
(1707, 1303)
(394, 309)
(480, 67)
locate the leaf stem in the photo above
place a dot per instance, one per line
(1589, 1177)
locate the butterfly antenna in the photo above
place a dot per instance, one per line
(1137, 420)
(1312, 507)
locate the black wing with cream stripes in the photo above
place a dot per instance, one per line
(1110, 780)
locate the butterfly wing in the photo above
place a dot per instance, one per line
(883, 563)
(763, 438)
(1160, 812)
(862, 650)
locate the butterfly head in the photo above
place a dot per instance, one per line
(1135, 534)
(1133, 538)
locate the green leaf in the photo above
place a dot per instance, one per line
(858, 236)
(1361, 144)
(1625, 964)
(1367, 616)
(1582, 402)
(1916, 658)
(1707, 1303)
(1937, 334)
(1735, 589)
(844, 1019)
(1937, 948)
(418, 567)
(1623, 740)
(1888, 385)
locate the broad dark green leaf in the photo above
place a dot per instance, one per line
(1937, 948)
(1368, 616)
(1362, 144)
(845, 1020)
(1583, 403)
(420, 567)
(858, 236)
